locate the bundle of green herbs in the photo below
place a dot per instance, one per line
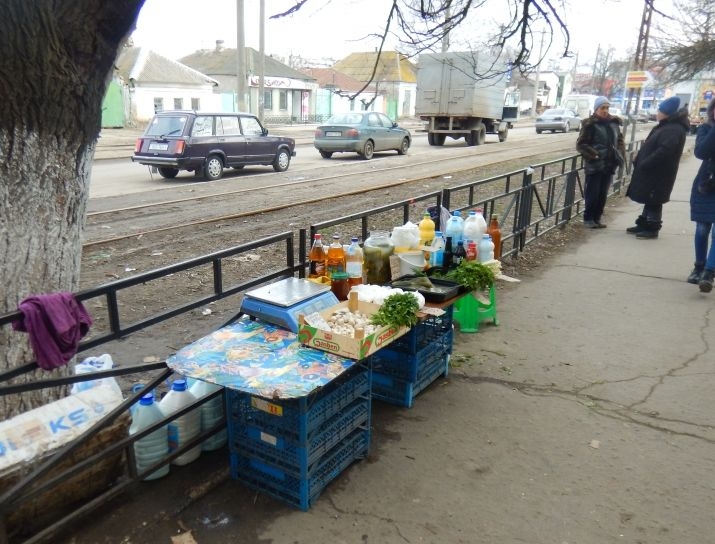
(473, 275)
(398, 310)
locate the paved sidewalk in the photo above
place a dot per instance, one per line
(585, 417)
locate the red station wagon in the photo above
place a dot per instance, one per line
(206, 143)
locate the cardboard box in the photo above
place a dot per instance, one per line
(353, 348)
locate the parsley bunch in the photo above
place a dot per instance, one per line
(398, 310)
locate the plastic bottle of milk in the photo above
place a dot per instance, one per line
(154, 446)
(471, 232)
(212, 412)
(485, 251)
(454, 228)
(184, 428)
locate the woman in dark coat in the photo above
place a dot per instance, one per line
(602, 146)
(702, 204)
(656, 166)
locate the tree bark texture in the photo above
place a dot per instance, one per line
(57, 57)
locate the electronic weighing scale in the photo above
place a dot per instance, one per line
(281, 302)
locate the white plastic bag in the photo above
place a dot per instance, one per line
(405, 237)
(95, 364)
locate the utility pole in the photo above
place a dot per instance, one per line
(639, 62)
(534, 113)
(240, 59)
(445, 38)
(593, 72)
(261, 60)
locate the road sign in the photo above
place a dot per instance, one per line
(637, 80)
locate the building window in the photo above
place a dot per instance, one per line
(178, 103)
(158, 104)
(268, 100)
(195, 104)
(283, 100)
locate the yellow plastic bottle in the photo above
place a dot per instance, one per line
(426, 227)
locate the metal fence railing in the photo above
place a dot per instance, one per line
(530, 202)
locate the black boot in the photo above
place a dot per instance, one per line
(640, 225)
(650, 230)
(706, 281)
(694, 276)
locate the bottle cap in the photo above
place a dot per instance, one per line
(339, 276)
(179, 385)
(354, 239)
(147, 399)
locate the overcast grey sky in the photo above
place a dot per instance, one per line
(334, 28)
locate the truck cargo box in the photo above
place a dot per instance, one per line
(460, 84)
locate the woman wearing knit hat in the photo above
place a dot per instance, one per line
(702, 204)
(656, 165)
(601, 144)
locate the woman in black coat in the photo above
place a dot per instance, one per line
(702, 204)
(656, 166)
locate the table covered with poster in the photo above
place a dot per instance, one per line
(296, 416)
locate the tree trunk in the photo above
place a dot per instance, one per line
(57, 59)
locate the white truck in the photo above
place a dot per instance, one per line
(464, 95)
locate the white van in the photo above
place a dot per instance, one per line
(580, 103)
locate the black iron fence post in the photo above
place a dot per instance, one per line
(570, 195)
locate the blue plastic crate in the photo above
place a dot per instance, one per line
(297, 419)
(403, 392)
(405, 366)
(298, 458)
(422, 334)
(300, 492)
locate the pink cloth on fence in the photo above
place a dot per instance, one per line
(55, 323)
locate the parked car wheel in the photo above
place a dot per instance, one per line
(402, 150)
(168, 173)
(213, 169)
(567, 127)
(368, 150)
(325, 154)
(538, 131)
(471, 138)
(282, 161)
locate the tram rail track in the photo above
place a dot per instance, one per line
(159, 217)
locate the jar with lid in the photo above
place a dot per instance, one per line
(339, 285)
(376, 254)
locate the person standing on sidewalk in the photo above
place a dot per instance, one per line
(603, 148)
(702, 204)
(656, 166)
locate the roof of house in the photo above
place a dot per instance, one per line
(222, 61)
(146, 66)
(330, 78)
(392, 66)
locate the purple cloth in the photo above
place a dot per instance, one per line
(55, 323)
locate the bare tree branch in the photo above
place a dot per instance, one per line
(685, 44)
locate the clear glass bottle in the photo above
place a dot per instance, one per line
(376, 253)
(354, 262)
(335, 261)
(317, 258)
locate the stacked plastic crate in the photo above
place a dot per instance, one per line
(412, 362)
(291, 449)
